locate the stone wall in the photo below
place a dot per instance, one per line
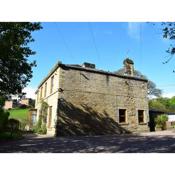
(104, 95)
(51, 99)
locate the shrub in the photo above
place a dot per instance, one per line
(24, 124)
(43, 129)
(3, 119)
(40, 127)
(23, 106)
(8, 136)
(13, 126)
(2, 102)
(161, 121)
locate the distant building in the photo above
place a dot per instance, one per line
(80, 95)
(10, 104)
(26, 101)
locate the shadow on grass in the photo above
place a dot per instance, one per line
(84, 120)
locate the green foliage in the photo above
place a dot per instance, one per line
(2, 101)
(169, 33)
(9, 128)
(163, 104)
(15, 69)
(3, 119)
(40, 127)
(8, 136)
(13, 126)
(43, 111)
(37, 127)
(161, 121)
(43, 129)
(157, 105)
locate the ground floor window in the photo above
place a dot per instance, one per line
(33, 119)
(122, 115)
(141, 116)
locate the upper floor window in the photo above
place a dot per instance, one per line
(41, 93)
(52, 84)
(141, 116)
(45, 90)
(38, 96)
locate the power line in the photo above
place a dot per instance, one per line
(167, 85)
(93, 39)
(141, 43)
(65, 43)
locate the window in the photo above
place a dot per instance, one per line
(41, 93)
(122, 115)
(45, 90)
(51, 85)
(37, 96)
(141, 116)
(50, 116)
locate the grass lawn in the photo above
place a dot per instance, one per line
(19, 114)
(22, 116)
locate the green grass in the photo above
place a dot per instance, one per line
(19, 114)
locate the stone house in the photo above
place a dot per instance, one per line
(84, 100)
(13, 103)
(25, 101)
(10, 104)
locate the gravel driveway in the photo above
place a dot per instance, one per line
(152, 142)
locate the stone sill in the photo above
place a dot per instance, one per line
(142, 123)
(124, 123)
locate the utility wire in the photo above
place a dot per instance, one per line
(65, 43)
(167, 85)
(140, 43)
(93, 39)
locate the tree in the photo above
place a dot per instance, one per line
(15, 68)
(163, 104)
(152, 89)
(155, 104)
(169, 33)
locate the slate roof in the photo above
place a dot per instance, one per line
(81, 68)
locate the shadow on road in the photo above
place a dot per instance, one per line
(126, 143)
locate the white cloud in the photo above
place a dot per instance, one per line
(30, 92)
(134, 30)
(168, 94)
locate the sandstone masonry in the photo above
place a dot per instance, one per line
(82, 93)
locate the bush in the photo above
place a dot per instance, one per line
(24, 124)
(39, 127)
(23, 106)
(43, 129)
(8, 136)
(3, 119)
(161, 121)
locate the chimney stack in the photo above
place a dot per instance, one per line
(129, 67)
(88, 65)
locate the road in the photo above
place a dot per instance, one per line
(152, 142)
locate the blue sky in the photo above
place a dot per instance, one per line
(106, 45)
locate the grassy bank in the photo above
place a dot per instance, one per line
(19, 114)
